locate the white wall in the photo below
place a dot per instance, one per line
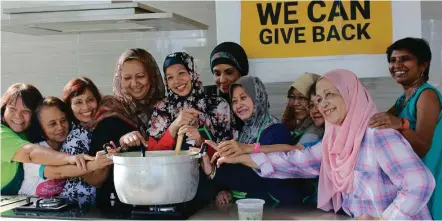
(406, 22)
(49, 62)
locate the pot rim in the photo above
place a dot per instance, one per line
(156, 158)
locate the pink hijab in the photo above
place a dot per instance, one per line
(341, 143)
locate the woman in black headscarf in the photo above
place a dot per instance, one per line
(228, 62)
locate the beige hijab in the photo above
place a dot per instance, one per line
(305, 82)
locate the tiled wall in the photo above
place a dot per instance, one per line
(49, 62)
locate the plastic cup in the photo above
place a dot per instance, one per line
(250, 209)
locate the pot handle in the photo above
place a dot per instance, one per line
(202, 152)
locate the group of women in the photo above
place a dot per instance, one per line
(332, 147)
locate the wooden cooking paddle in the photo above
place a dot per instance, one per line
(179, 143)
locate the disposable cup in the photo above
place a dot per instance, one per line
(250, 209)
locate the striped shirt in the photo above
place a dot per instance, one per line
(390, 181)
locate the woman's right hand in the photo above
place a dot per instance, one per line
(80, 160)
(224, 197)
(132, 139)
(186, 117)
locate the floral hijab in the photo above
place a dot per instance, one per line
(261, 111)
(215, 110)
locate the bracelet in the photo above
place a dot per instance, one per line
(256, 148)
(405, 124)
(212, 174)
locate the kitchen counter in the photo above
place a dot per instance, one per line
(223, 212)
(230, 212)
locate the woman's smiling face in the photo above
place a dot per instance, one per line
(331, 104)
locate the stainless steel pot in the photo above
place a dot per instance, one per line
(159, 178)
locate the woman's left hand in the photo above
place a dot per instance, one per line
(232, 160)
(385, 120)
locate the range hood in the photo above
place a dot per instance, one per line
(89, 18)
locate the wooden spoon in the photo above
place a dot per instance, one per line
(179, 143)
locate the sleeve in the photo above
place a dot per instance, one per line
(110, 129)
(309, 138)
(11, 142)
(406, 171)
(312, 134)
(77, 142)
(275, 134)
(304, 163)
(41, 172)
(159, 121)
(223, 115)
(166, 142)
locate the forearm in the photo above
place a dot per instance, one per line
(419, 146)
(66, 171)
(294, 164)
(247, 161)
(173, 130)
(34, 153)
(269, 148)
(97, 178)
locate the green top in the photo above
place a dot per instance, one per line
(12, 172)
(433, 158)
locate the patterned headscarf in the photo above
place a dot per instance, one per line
(134, 111)
(215, 110)
(232, 54)
(261, 109)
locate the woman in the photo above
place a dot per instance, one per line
(82, 96)
(417, 113)
(314, 133)
(54, 117)
(122, 119)
(250, 103)
(228, 62)
(187, 108)
(311, 135)
(138, 86)
(18, 121)
(368, 173)
(296, 115)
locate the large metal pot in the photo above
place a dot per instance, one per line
(159, 178)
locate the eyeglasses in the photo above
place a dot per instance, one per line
(312, 105)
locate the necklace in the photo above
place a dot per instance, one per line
(403, 100)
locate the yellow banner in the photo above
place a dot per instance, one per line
(286, 29)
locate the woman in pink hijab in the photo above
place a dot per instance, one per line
(368, 173)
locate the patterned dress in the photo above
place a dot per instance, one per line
(76, 189)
